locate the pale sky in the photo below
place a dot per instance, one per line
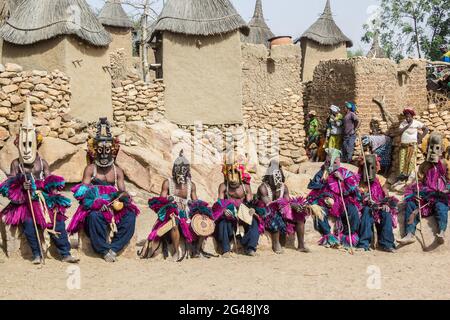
(293, 17)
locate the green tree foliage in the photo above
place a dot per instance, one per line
(411, 27)
(355, 53)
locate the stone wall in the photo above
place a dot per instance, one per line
(362, 80)
(273, 99)
(49, 94)
(134, 100)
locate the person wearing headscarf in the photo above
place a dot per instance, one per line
(410, 138)
(36, 203)
(286, 215)
(313, 136)
(445, 53)
(105, 207)
(351, 125)
(334, 189)
(334, 129)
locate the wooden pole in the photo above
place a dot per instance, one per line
(30, 203)
(374, 238)
(346, 216)
(418, 195)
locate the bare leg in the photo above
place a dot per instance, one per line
(175, 236)
(198, 247)
(300, 228)
(276, 246)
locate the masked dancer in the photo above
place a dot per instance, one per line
(105, 206)
(35, 201)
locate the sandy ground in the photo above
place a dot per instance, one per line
(322, 274)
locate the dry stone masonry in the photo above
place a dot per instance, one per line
(49, 94)
(134, 100)
(273, 99)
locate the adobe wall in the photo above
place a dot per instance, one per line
(90, 80)
(203, 78)
(272, 97)
(121, 39)
(313, 53)
(362, 80)
(87, 67)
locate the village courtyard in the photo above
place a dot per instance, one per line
(133, 101)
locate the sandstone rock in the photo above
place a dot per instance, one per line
(54, 150)
(40, 73)
(5, 103)
(10, 88)
(4, 134)
(12, 67)
(79, 138)
(5, 81)
(71, 168)
(7, 154)
(4, 111)
(15, 99)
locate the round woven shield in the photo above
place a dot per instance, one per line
(202, 225)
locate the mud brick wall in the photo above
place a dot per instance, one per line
(362, 79)
(273, 98)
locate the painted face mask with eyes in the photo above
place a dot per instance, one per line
(232, 175)
(333, 160)
(181, 170)
(435, 149)
(274, 175)
(27, 143)
(104, 144)
(104, 154)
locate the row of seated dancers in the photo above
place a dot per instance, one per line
(363, 212)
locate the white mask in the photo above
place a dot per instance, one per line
(27, 138)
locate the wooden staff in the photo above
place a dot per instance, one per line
(374, 240)
(34, 220)
(418, 197)
(346, 216)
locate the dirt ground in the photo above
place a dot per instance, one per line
(322, 274)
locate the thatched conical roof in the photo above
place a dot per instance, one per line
(113, 15)
(33, 21)
(259, 30)
(325, 30)
(376, 51)
(199, 17)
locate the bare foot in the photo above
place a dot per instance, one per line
(408, 239)
(226, 255)
(276, 247)
(441, 237)
(36, 260)
(109, 257)
(70, 259)
(304, 250)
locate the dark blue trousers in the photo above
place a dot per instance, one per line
(353, 216)
(348, 147)
(251, 237)
(97, 229)
(224, 233)
(61, 242)
(440, 211)
(385, 230)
